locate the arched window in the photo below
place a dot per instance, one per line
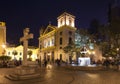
(70, 21)
(70, 40)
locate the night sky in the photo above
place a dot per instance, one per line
(19, 14)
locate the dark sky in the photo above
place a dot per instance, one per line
(19, 14)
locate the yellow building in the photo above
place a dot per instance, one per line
(19, 50)
(8, 50)
(54, 38)
(2, 37)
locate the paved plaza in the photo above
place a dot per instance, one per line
(60, 75)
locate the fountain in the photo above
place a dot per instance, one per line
(84, 63)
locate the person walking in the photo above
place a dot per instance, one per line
(45, 63)
(119, 65)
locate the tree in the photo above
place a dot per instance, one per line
(5, 58)
(94, 25)
(30, 53)
(14, 53)
(69, 49)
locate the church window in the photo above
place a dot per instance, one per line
(61, 22)
(52, 41)
(20, 53)
(70, 40)
(61, 33)
(60, 56)
(60, 47)
(70, 32)
(48, 43)
(45, 44)
(40, 46)
(60, 41)
(8, 53)
(70, 22)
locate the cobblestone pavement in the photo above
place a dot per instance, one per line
(62, 76)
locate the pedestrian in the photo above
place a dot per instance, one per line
(119, 65)
(106, 63)
(45, 63)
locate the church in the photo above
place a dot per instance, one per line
(53, 39)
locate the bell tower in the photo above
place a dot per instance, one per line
(66, 19)
(2, 37)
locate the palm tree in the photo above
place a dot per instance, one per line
(69, 49)
(30, 53)
(14, 53)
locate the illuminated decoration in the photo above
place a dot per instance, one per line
(66, 19)
(91, 46)
(80, 40)
(84, 61)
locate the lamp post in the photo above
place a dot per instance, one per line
(117, 49)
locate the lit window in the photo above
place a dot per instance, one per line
(20, 53)
(48, 43)
(70, 40)
(60, 47)
(61, 22)
(60, 56)
(8, 53)
(52, 41)
(61, 33)
(60, 41)
(70, 32)
(70, 22)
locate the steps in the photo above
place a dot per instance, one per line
(16, 77)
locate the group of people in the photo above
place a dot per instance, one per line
(46, 62)
(12, 63)
(112, 64)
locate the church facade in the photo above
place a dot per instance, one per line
(53, 39)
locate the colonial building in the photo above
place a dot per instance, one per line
(11, 50)
(2, 37)
(54, 38)
(8, 50)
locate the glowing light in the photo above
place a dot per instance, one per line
(84, 61)
(93, 75)
(3, 46)
(49, 53)
(93, 52)
(117, 49)
(49, 66)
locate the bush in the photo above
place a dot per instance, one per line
(4, 58)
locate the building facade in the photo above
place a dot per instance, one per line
(2, 38)
(10, 51)
(54, 38)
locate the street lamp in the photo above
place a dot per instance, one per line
(117, 49)
(4, 46)
(117, 52)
